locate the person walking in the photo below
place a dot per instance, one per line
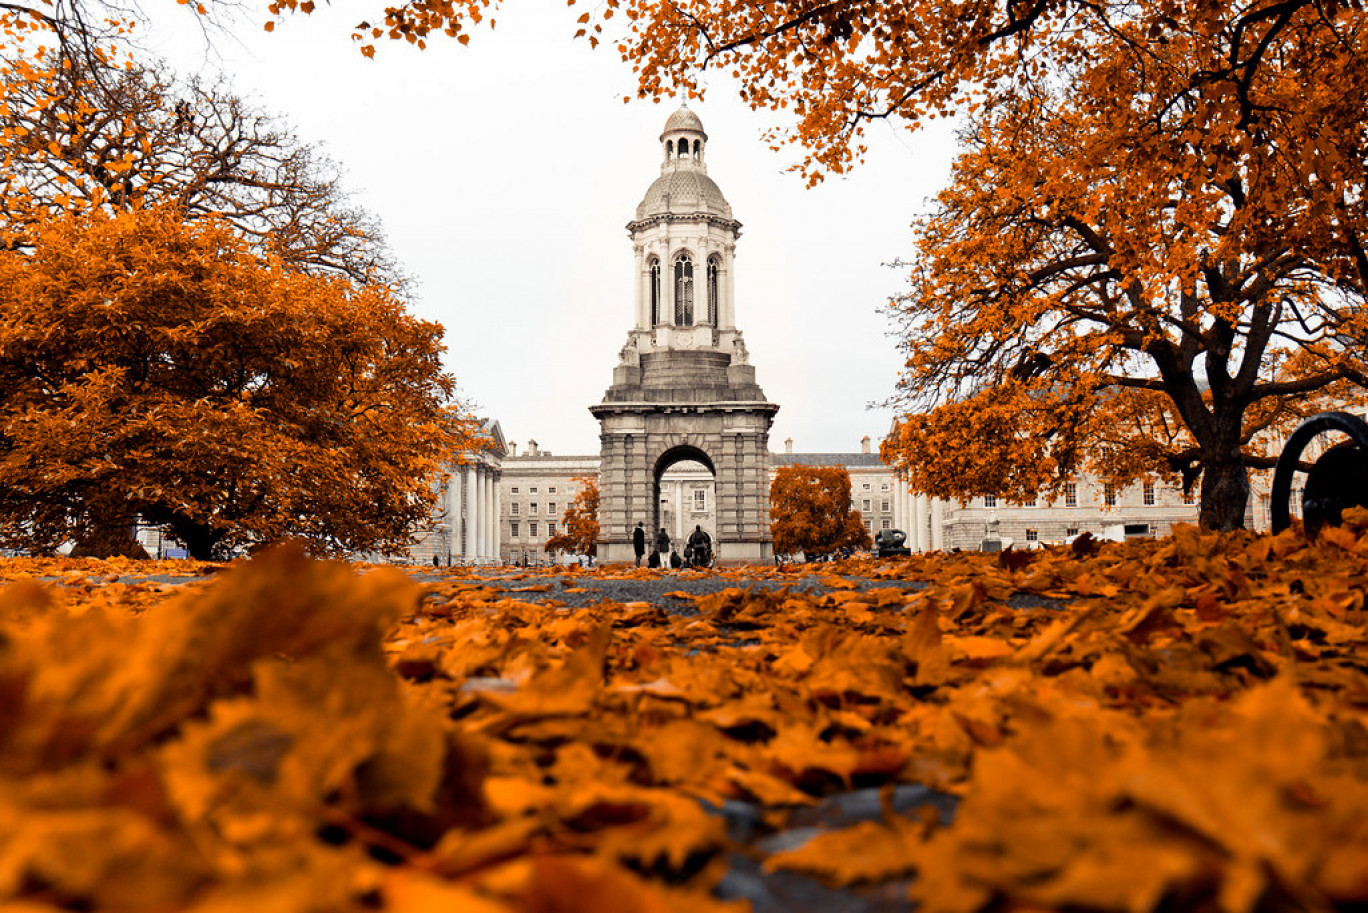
(639, 543)
(662, 545)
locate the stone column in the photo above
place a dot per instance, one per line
(492, 518)
(479, 525)
(643, 290)
(482, 527)
(937, 525)
(615, 532)
(467, 512)
(667, 284)
(727, 319)
(498, 520)
(637, 476)
(678, 512)
(916, 533)
(922, 514)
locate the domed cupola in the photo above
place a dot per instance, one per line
(685, 241)
(683, 187)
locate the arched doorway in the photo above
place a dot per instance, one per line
(684, 494)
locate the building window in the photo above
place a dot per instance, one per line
(551, 490)
(550, 508)
(1071, 494)
(684, 293)
(1149, 494)
(1071, 531)
(865, 505)
(700, 500)
(865, 486)
(883, 487)
(869, 526)
(513, 508)
(533, 489)
(513, 528)
(654, 270)
(714, 268)
(990, 500)
(513, 490)
(1109, 495)
(550, 527)
(885, 506)
(886, 524)
(532, 528)
(533, 509)
(1032, 535)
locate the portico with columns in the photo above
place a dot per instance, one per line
(473, 500)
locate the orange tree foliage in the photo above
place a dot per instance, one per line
(99, 136)
(581, 530)
(159, 369)
(1176, 724)
(1142, 270)
(811, 512)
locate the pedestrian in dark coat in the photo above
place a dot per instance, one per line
(639, 543)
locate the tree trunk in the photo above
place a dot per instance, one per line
(1225, 492)
(199, 539)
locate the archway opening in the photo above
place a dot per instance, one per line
(685, 496)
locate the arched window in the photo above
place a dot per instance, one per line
(684, 283)
(698, 147)
(714, 267)
(669, 148)
(654, 270)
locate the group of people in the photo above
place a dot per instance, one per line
(697, 551)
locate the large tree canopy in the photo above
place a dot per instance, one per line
(94, 136)
(1143, 268)
(155, 368)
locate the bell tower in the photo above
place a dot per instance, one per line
(684, 388)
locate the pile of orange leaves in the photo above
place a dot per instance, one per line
(1175, 724)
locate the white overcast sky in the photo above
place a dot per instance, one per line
(505, 171)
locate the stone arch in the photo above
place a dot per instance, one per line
(678, 450)
(683, 449)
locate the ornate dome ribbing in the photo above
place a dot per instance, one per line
(684, 119)
(683, 191)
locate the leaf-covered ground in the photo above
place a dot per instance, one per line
(1164, 725)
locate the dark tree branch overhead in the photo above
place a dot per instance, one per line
(139, 136)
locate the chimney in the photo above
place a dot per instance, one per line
(531, 447)
(864, 444)
(788, 445)
(512, 448)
